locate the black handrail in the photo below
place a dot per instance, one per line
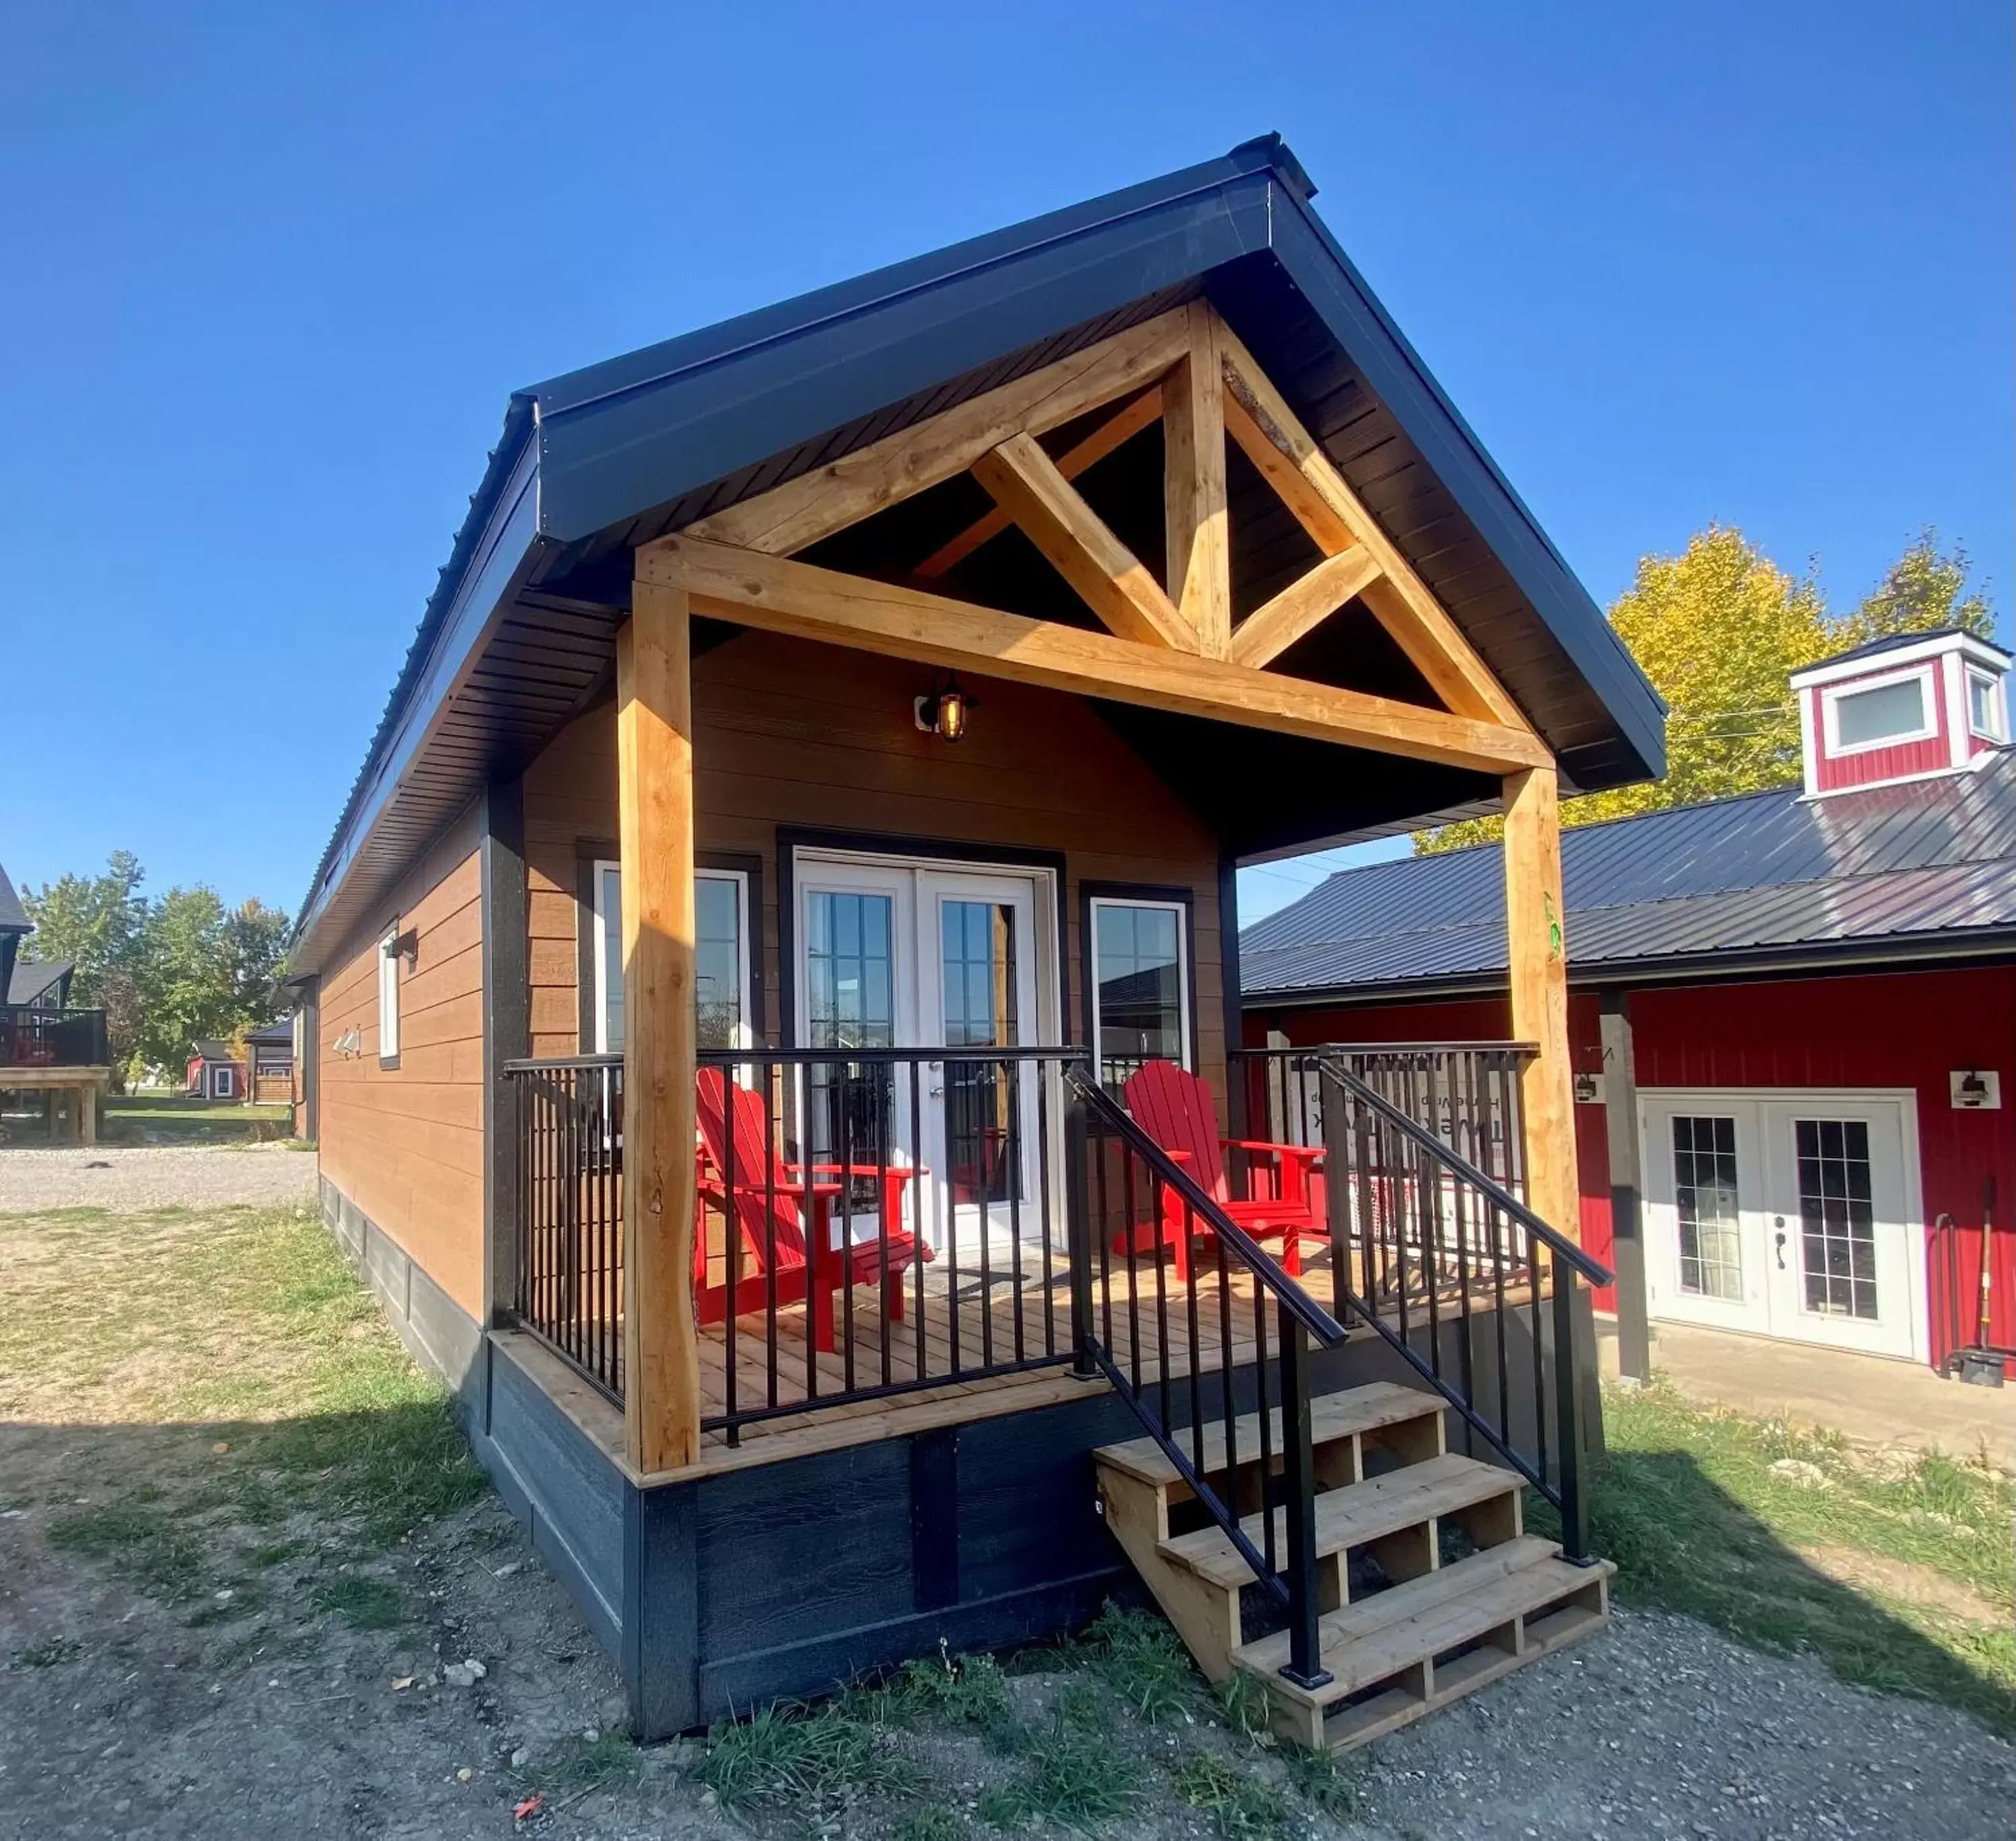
(1288, 1578)
(1390, 1223)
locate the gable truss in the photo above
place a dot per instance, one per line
(1175, 648)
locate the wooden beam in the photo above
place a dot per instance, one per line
(829, 499)
(1199, 530)
(1537, 947)
(1403, 602)
(789, 597)
(1026, 485)
(654, 787)
(1109, 435)
(1270, 629)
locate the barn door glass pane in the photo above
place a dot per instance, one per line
(850, 1004)
(1704, 1198)
(1837, 1217)
(976, 966)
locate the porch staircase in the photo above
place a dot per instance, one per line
(1428, 1584)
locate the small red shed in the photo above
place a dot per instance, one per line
(1793, 1017)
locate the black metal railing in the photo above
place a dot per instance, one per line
(1466, 1092)
(32, 1037)
(1174, 1343)
(1473, 1290)
(876, 1221)
(569, 1285)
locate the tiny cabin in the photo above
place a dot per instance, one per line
(1791, 1020)
(215, 1072)
(269, 1053)
(55, 1060)
(772, 996)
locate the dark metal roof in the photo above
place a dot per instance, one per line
(279, 1032)
(12, 918)
(32, 977)
(1903, 872)
(1894, 641)
(210, 1050)
(518, 635)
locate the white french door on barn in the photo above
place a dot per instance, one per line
(1787, 1213)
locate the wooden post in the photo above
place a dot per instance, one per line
(654, 782)
(1536, 942)
(1199, 533)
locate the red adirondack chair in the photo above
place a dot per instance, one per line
(804, 1194)
(1174, 1108)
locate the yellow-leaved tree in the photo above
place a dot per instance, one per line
(1719, 629)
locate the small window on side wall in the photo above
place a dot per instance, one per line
(720, 952)
(388, 997)
(1141, 1007)
(1984, 707)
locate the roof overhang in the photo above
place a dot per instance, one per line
(518, 634)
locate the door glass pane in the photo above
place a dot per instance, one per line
(1837, 1216)
(849, 1004)
(977, 967)
(718, 961)
(1705, 1199)
(1139, 953)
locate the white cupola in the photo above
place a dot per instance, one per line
(1909, 707)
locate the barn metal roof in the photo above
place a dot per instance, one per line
(518, 635)
(1905, 873)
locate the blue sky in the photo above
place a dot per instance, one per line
(272, 272)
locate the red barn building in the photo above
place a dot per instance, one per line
(1793, 1017)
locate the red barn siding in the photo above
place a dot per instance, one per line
(1933, 754)
(1893, 1029)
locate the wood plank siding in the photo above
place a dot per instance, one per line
(404, 1143)
(795, 734)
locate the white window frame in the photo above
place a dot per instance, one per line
(1832, 696)
(388, 997)
(1997, 708)
(604, 871)
(1181, 910)
(222, 1081)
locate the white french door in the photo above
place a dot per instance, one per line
(897, 953)
(1786, 1213)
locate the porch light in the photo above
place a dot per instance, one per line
(945, 711)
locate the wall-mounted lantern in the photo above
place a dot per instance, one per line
(945, 711)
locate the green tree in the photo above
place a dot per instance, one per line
(184, 974)
(256, 938)
(95, 920)
(1719, 629)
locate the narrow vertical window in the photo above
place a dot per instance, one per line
(1140, 969)
(388, 998)
(721, 958)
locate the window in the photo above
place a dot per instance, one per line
(1879, 715)
(388, 998)
(1141, 1005)
(721, 955)
(221, 1083)
(1984, 706)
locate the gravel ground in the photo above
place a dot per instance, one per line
(130, 1177)
(120, 1716)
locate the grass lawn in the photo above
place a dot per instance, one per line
(168, 1118)
(1900, 1575)
(275, 1417)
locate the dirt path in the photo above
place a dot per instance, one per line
(128, 1177)
(244, 1564)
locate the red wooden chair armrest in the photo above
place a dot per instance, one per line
(1313, 1153)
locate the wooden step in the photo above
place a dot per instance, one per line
(1356, 1515)
(1378, 1407)
(1405, 1651)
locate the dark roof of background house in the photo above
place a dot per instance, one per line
(280, 1031)
(1902, 872)
(32, 977)
(1894, 642)
(212, 1050)
(13, 919)
(597, 461)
